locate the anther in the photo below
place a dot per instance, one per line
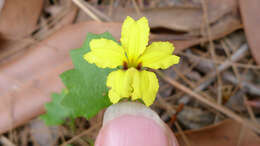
(125, 66)
(139, 66)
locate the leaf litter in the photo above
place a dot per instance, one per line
(30, 74)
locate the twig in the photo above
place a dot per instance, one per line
(51, 23)
(178, 110)
(211, 77)
(254, 103)
(241, 135)
(182, 76)
(250, 110)
(248, 87)
(81, 134)
(173, 113)
(183, 136)
(6, 141)
(80, 4)
(210, 103)
(166, 105)
(229, 43)
(189, 55)
(99, 13)
(61, 134)
(136, 8)
(212, 49)
(189, 83)
(141, 4)
(203, 64)
(234, 67)
(110, 9)
(82, 142)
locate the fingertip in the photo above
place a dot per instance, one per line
(128, 124)
(129, 130)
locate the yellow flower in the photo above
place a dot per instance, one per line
(132, 81)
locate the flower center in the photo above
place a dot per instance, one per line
(126, 66)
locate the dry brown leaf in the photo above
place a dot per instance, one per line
(64, 17)
(1, 4)
(179, 18)
(15, 47)
(222, 15)
(226, 133)
(251, 19)
(19, 18)
(219, 30)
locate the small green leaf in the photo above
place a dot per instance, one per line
(91, 142)
(55, 112)
(86, 83)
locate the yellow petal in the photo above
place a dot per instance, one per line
(105, 53)
(145, 85)
(120, 85)
(159, 55)
(134, 37)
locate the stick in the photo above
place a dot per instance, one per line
(136, 8)
(212, 49)
(250, 110)
(81, 134)
(211, 76)
(199, 58)
(99, 13)
(248, 87)
(210, 103)
(183, 136)
(80, 4)
(236, 56)
(6, 141)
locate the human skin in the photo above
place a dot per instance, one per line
(133, 124)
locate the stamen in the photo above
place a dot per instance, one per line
(125, 66)
(139, 66)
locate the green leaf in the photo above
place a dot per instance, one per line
(86, 83)
(91, 142)
(55, 112)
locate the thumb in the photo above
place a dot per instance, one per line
(133, 124)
